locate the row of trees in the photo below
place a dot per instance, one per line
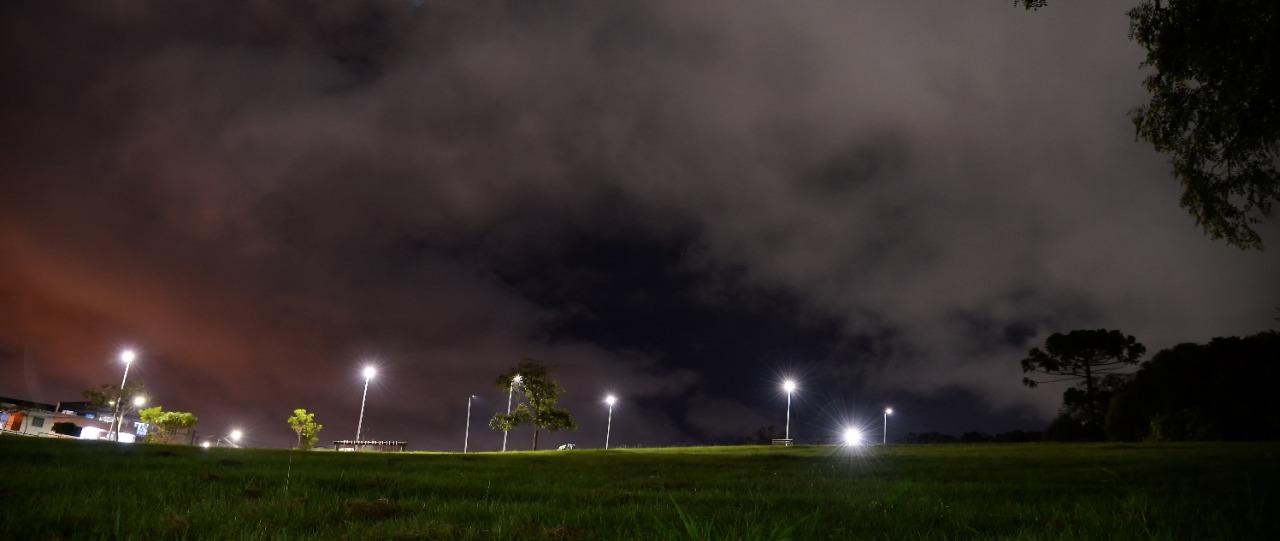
(1190, 392)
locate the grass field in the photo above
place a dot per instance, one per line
(52, 489)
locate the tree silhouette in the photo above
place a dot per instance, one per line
(1085, 356)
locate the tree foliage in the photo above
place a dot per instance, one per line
(305, 426)
(1085, 356)
(541, 393)
(165, 425)
(1215, 106)
(105, 397)
(1220, 390)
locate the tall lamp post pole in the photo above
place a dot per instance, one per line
(127, 356)
(369, 372)
(466, 438)
(511, 387)
(885, 437)
(610, 400)
(790, 387)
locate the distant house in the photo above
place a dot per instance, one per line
(36, 419)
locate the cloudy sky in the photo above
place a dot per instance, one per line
(678, 202)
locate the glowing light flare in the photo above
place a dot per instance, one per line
(789, 385)
(610, 400)
(852, 437)
(138, 401)
(128, 356)
(369, 372)
(236, 435)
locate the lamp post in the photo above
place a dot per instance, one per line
(235, 437)
(127, 356)
(885, 437)
(467, 436)
(610, 400)
(790, 386)
(369, 372)
(515, 382)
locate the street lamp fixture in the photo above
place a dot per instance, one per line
(885, 438)
(790, 387)
(234, 437)
(127, 356)
(610, 400)
(852, 437)
(466, 438)
(368, 373)
(515, 382)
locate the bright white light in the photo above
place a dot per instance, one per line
(128, 356)
(516, 380)
(138, 401)
(236, 435)
(888, 411)
(852, 437)
(610, 400)
(789, 385)
(369, 372)
(205, 445)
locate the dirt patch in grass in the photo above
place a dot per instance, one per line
(376, 509)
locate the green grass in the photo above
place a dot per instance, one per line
(52, 489)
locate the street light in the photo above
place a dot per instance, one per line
(610, 400)
(369, 372)
(515, 382)
(467, 437)
(790, 386)
(127, 356)
(885, 439)
(852, 437)
(235, 437)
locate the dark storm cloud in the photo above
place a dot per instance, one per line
(265, 193)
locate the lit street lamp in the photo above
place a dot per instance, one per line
(790, 386)
(467, 436)
(852, 437)
(515, 382)
(127, 356)
(610, 400)
(235, 437)
(885, 439)
(369, 372)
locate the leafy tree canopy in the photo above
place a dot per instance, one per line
(1215, 106)
(104, 397)
(305, 426)
(166, 424)
(541, 392)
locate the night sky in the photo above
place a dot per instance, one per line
(678, 202)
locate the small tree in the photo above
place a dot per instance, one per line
(166, 424)
(1087, 356)
(304, 425)
(541, 393)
